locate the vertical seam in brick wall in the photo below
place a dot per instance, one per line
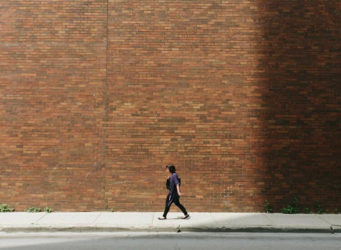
(105, 108)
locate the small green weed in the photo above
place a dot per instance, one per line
(268, 207)
(306, 210)
(292, 208)
(48, 210)
(318, 208)
(5, 208)
(34, 209)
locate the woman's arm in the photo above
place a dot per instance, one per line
(178, 189)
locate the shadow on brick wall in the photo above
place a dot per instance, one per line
(301, 100)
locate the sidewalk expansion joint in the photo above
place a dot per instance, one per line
(45, 214)
(93, 222)
(322, 219)
(153, 216)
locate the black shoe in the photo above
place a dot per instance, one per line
(162, 218)
(186, 216)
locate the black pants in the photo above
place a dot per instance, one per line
(176, 202)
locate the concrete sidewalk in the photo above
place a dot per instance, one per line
(148, 221)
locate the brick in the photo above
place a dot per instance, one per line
(96, 97)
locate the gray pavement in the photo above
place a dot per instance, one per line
(148, 221)
(178, 241)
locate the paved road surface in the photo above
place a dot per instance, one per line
(174, 241)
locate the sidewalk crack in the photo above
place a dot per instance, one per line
(40, 218)
(153, 220)
(93, 222)
(270, 223)
(322, 219)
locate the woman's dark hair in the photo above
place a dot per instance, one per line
(171, 168)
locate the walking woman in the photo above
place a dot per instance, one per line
(174, 193)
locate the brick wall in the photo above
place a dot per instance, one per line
(96, 97)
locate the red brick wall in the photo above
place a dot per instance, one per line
(96, 97)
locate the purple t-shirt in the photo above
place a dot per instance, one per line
(173, 181)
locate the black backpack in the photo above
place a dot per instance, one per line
(168, 183)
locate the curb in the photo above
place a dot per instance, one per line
(172, 229)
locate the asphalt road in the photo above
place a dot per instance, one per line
(174, 241)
